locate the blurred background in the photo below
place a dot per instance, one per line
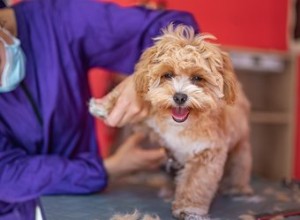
(262, 38)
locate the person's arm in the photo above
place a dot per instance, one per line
(24, 177)
(113, 37)
(126, 109)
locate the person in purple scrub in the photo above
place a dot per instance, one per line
(47, 136)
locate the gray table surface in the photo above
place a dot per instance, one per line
(268, 197)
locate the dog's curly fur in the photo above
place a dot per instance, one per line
(201, 114)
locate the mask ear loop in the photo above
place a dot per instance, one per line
(11, 50)
(15, 41)
(3, 76)
(3, 41)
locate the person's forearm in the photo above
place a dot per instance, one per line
(25, 177)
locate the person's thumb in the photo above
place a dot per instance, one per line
(155, 154)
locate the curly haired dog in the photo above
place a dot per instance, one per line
(201, 114)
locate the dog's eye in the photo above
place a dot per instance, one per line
(168, 75)
(196, 79)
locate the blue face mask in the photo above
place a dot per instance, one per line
(14, 68)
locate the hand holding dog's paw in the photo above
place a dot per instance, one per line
(121, 106)
(127, 108)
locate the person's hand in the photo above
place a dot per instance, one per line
(130, 158)
(127, 109)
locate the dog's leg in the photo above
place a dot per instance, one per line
(198, 182)
(238, 171)
(102, 107)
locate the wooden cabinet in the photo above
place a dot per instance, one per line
(272, 92)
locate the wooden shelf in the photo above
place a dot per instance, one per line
(258, 61)
(269, 117)
(256, 51)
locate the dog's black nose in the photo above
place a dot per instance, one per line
(180, 98)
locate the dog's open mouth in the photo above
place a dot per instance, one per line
(180, 114)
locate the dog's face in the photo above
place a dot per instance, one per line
(183, 75)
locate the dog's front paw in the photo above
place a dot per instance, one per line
(190, 213)
(238, 191)
(97, 109)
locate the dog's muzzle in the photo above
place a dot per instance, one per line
(179, 112)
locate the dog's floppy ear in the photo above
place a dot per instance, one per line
(141, 74)
(230, 81)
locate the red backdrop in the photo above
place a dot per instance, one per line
(254, 24)
(261, 24)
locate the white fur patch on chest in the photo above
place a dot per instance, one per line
(180, 146)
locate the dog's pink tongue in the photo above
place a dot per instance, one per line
(180, 114)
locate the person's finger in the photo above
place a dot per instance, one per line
(155, 160)
(130, 116)
(153, 155)
(116, 115)
(120, 102)
(138, 112)
(140, 116)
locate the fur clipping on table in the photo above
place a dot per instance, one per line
(136, 215)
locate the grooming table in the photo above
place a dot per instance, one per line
(268, 197)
